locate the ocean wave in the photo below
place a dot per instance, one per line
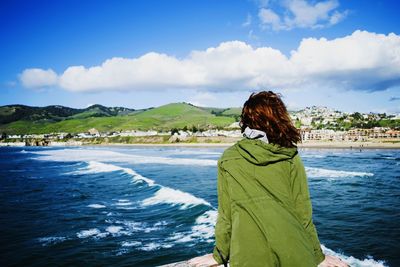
(203, 229)
(94, 232)
(320, 172)
(132, 226)
(52, 240)
(127, 246)
(96, 206)
(354, 262)
(154, 246)
(97, 167)
(204, 225)
(123, 203)
(87, 155)
(114, 229)
(161, 223)
(174, 197)
(163, 195)
(313, 156)
(131, 243)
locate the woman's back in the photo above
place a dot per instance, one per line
(264, 216)
(264, 207)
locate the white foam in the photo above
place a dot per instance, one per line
(131, 243)
(51, 240)
(320, 172)
(96, 206)
(181, 237)
(152, 228)
(64, 155)
(389, 157)
(316, 156)
(126, 208)
(204, 226)
(122, 251)
(203, 229)
(132, 226)
(163, 195)
(123, 203)
(160, 223)
(88, 233)
(155, 246)
(97, 167)
(174, 197)
(205, 223)
(354, 262)
(113, 229)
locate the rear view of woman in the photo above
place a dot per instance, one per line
(264, 206)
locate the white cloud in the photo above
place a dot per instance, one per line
(38, 78)
(302, 14)
(361, 61)
(247, 22)
(252, 36)
(269, 17)
(338, 17)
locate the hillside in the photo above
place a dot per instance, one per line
(13, 113)
(20, 119)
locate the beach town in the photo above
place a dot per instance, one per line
(319, 126)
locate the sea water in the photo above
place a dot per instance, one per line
(148, 206)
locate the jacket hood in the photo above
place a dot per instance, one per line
(261, 153)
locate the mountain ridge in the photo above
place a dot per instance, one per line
(23, 119)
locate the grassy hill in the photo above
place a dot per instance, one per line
(19, 119)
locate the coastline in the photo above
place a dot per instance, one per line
(308, 144)
(322, 145)
(351, 145)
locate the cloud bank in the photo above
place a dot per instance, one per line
(361, 61)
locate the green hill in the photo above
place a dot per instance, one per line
(19, 119)
(12, 113)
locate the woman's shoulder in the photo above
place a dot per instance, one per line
(231, 153)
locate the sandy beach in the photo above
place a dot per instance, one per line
(308, 144)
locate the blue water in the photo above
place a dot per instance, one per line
(128, 206)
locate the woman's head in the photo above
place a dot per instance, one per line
(265, 111)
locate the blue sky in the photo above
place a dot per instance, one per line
(139, 54)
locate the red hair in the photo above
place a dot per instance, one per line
(266, 111)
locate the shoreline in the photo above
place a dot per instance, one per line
(305, 145)
(319, 145)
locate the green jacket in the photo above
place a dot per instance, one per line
(264, 208)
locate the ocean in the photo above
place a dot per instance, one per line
(149, 206)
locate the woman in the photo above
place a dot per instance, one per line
(264, 207)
